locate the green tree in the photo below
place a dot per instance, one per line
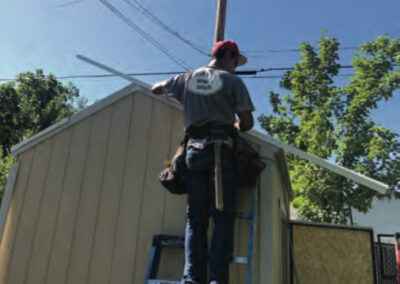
(44, 99)
(31, 103)
(12, 119)
(5, 165)
(335, 123)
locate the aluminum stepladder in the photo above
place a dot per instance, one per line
(177, 242)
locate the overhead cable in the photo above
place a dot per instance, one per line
(245, 73)
(150, 15)
(248, 74)
(145, 35)
(70, 3)
(289, 50)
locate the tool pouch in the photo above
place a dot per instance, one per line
(249, 163)
(172, 177)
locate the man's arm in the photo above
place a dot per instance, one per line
(245, 122)
(174, 87)
(243, 106)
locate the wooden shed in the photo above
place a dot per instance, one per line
(83, 200)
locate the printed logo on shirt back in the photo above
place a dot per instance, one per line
(205, 82)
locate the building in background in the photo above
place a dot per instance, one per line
(384, 216)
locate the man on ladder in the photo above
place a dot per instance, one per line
(212, 97)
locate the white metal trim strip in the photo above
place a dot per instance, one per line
(347, 173)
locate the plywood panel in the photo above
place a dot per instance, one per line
(332, 255)
(171, 266)
(132, 194)
(84, 232)
(14, 213)
(48, 211)
(67, 212)
(100, 266)
(153, 200)
(30, 212)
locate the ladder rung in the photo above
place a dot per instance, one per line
(159, 281)
(240, 260)
(168, 241)
(245, 216)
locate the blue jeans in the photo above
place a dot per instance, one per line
(201, 205)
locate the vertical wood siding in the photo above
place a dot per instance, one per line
(14, 214)
(132, 192)
(81, 247)
(265, 233)
(30, 212)
(87, 202)
(42, 241)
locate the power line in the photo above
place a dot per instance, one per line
(106, 76)
(99, 76)
(280, 76)
(150, 15)
(70, 3)
(270, 52)
(250, 74)
(146, 36)
(287, 50)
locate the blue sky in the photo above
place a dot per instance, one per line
(48, 36)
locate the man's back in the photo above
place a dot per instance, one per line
(210, 94)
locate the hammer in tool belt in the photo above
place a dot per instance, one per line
(219, 191)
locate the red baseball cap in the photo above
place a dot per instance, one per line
(229, 44)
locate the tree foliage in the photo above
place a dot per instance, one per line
(335, 122)
(31, 103)
(5, 165)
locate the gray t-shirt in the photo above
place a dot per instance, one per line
(210, 94)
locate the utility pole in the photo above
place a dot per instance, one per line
(218, 36)
(220, 20)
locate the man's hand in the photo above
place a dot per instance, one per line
(246, 121)
(159, 89)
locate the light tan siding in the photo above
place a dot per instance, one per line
(67, 212)
(48, 211)
(27, 225)
(81, 247)
(132, 192)
(266, 261)
(152, 206)
(100, 266)
(14, 213)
